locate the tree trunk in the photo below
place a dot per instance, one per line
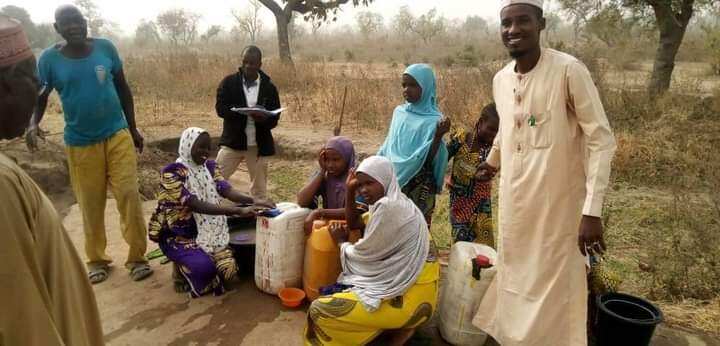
(672, 29)
(283, 39)
(671, 37)
(282, 18)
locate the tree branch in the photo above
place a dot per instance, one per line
(317, 8)
(290, 7)
(326, 4)
(306, 6)
(663, 12)
(272, 6)
(686, 11)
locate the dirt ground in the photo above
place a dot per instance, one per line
(151, 313)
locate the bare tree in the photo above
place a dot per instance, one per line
(369, 23)
(237, 35)
(310, 9)
(475, 24)
(249, 21)
(610, 25)
(315, 26)
(112, 30)
(46, 35)
(473, 27)
(710, 27)
(179, 25)
(552, 24)
(96, 22)
(579, 11)
(429, 25)
(212, 32)
(146, 33)
(403, 21)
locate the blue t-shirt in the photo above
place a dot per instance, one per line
(92, 108)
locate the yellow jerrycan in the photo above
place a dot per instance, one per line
(321, 265)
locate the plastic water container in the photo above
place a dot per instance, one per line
(322, 258)
(467, 280)
(280, 246)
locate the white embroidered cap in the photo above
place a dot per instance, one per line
(536, 3)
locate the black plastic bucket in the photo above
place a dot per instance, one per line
(242, 242)
(625, 320)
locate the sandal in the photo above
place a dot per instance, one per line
(140, 271)
(98, 273)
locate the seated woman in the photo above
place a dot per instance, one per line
(390, 276)
(336, 159)
(189, 224)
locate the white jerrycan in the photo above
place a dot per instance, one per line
(464, 289)
(280, 249)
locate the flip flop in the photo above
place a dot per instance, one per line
(140, 271)
(98, 273)
(157, 253)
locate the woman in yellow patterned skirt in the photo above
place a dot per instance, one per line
(389, 278)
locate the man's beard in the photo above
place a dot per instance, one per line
(518, 53)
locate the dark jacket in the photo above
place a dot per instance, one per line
(230, 94)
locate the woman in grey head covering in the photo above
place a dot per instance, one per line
(389, 277)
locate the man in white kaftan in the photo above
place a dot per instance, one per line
(554, 148)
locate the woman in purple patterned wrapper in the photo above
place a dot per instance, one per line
(190, 224)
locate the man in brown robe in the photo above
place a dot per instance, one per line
(45, 296)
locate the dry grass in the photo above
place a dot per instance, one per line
(701, 315)
(172, 86)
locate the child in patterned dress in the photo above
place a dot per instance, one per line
(470, 198)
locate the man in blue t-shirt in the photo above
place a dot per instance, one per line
(100, 137)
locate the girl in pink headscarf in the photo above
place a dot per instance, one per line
(336, 159)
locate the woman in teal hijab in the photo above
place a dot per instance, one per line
(414, 142)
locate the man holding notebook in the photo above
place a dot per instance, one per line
(247, 135)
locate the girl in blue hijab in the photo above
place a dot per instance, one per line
(414, 142)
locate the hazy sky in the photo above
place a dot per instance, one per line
(127, 13)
